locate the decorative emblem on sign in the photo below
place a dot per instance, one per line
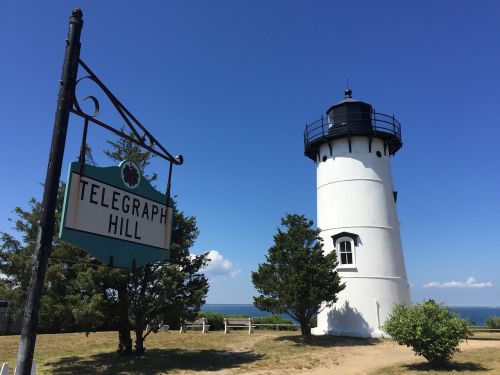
(131, 174)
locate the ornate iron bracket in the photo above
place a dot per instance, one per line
(140, 135)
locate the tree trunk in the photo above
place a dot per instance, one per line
(125, 341)
(139, 313)
(305, 327)
(139, 331)
(139, 340)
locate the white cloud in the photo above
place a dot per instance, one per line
(218, 266)
(470, 283)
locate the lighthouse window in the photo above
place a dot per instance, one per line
(345, 251)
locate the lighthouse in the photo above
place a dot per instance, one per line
(356, 206)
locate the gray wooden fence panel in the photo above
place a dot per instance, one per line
(10, 321)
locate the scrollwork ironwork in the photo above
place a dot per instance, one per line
(146, 140)
(77, 108)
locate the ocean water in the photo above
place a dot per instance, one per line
(476, 315)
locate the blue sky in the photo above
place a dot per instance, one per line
(231, 85)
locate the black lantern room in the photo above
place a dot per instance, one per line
(348, 118)
(350, 115)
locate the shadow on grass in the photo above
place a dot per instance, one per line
(329, 341)
(452, 366)
(154, 361)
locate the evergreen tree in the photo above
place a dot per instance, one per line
(124, 149)
(167, 293)
(160, 292)
(59, 298)
(297, 276)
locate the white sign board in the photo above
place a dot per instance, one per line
(116, 214)
(98, 208)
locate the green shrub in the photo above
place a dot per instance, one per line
(430, 329)
(314, 321)
(216, 319)
(493, 322)
(274, 319)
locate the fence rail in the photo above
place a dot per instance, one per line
(277, 325)
(484, 329)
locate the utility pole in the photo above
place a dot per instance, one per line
(46, 225)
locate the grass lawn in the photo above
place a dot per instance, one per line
(74, 353)
(237, 352)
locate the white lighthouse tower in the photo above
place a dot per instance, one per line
(351, 148)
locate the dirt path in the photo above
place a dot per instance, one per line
(363, 360)
(345, 360)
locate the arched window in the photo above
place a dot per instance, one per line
(345, 245)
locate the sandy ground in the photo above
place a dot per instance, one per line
(356, 359)
(363, 360)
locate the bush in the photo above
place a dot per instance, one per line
(314, 321)
(493, 322)
(274, 319)
(216, 320)
(430, 329)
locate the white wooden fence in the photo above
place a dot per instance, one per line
(5, 369)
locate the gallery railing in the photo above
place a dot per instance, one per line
(354, 124)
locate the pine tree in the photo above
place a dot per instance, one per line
(125, 149)
(167, 293)
(155, 292)
(66, 262)
(297, 276)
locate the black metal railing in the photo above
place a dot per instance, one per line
(378, 124)
(324, 128)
